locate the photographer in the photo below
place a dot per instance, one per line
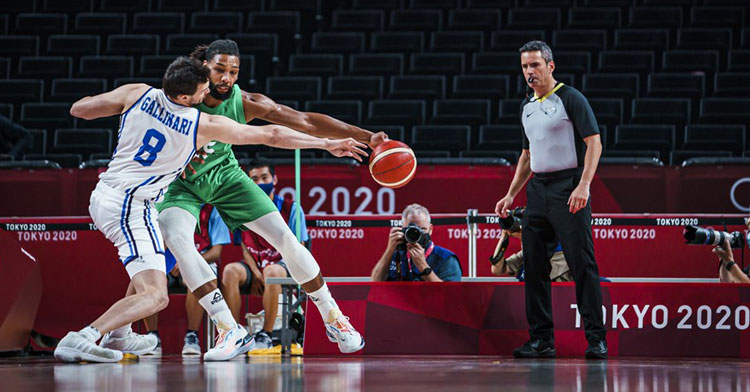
(513, 264)
(412, 256)
(729, 271)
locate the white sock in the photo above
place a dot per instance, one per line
(324, 301)
(91, 333)
(120, 332)
(217, 308)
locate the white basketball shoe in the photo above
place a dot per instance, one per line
(132, 343)
(77, 347)
(341, 331)
(229, 344)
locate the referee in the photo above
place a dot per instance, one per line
(561, 146)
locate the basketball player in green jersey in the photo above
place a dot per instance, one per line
(218, 180)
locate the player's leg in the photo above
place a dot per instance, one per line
(270, 305)
(236, 277)
(194, 312)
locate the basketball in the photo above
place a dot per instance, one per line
(392, 164)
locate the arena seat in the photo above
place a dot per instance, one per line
(237, 5)
(416, 20)
(492, 87)
(4, 68)
(108, 67)
(417, 87)
(41, 25)
(572, 40)
(129, 6)
(84, 142)
(64, 160)
(509, 111)
(73, 45)
(574, 62)
(453, 138)
(19, 45)
(46, 115)
(181, 5)
(641, 62)
(158, 23)
(378, 4)
(656, 40)
(316, 64)
(347, 111)
(594, 18)
(45, 68)
(396, 42)
(470, 112)
(448, 64)
(656, 17)
(536, 18)
(678, 157)
(396, 111)
(69, 6)
(38, 141)
(443, 4)
(71, 90)
(184, 44)
(725, 111)
(355, 87)
(676, 85)
(133, 44)
(513, 39)
(731, 84)
(457, 41)
(609, 111)
(474, 19)
(215, 22)
(358, 20)
(294, 88)
(619, 85)
(495, 63)
(645, 137)
(675, 111)
(101, 23)
(500, 137)
(715, 137)
(327, 42)
(380, 64)
(6, 109)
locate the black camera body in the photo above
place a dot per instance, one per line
(414, 234)
(512, 222)
(696, 235)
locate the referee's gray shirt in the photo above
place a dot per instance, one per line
(554, 127)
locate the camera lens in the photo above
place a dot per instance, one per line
(412, 234)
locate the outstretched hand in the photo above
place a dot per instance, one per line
(347, 148)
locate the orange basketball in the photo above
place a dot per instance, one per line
(392, 164)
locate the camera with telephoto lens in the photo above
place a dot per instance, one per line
(696, 235)
(512, 222)
(414, 234)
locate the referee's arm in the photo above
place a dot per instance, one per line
(580, 196)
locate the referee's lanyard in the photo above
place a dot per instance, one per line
(410, 264)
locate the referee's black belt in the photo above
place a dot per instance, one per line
(556, 175)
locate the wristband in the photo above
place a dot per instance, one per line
(729, 265)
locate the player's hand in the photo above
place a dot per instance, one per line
(502, 206)
(258, 284)
(376, 139)
(395, 238)
(347, 148)
(724, 251)
(199, 157)
(578, 198)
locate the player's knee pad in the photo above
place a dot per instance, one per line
(145, 262)
(177, 227)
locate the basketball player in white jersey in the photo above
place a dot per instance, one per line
(159, 134)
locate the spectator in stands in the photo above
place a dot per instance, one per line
(416, 261)
(513, 264)
(209, 242)
(14, 139)
(729, 271)
(260, 259)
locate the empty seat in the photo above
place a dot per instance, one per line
(474, 19)
(154, 65)
(41, 24)
(395, 132)
(725, 111)
(514, 39)
(691, 61)
(509, 111)
(739, 61)
(6, 110)
(238, 5)
(705, 38)
(490, 3)
(384, 64)
(325, 42)
(378, 4)
(64, 160)
(680, 157)
(64, 5)
(398, 112)
(620, 85)
(316, 64)
(82, 141)
(494, 63)
(656, 17)
(630, 61)
(106, 67)
(46, 115)
(158, 23)
(546, 3)
(676, 85)
(265, 48)
(215, 22)
(534, 18)
(453, 138)
(4, 68)
(349, 112)
(444, 4)
(357, 20)
(421, 87)
(500, 137)
(45, 67)
(592, 40)
(674, 111)
(16, 91)
(102, 23)
(436, 64)
(73, 45)
(594, 18)
(293, 88)
(181, 5)
(3, 24)
(19, 45)
(71, 90)
(608, 111)
(718, 16)
(124, 5)
(570, 62)
(38, 141)
(457, 41)
(715, 137)
(355, 87)
(184, 44)
(480, 86)
(416, 20)
(286, 23)
(641, 39)
(397, 42)
(472, 112)
(133, 44)
(645, 137)
(732, 84)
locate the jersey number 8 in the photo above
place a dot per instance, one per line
(152, 150)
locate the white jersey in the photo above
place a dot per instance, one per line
(155, 142)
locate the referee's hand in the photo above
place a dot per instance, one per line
(578, 198)
(502, 206)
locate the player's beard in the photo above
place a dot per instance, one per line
(216, 94)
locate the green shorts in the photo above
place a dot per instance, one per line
(226, 187)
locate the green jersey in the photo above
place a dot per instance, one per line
(218, 152)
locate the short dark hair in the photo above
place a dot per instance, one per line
(220, 46)
(541, 46)
(183, 76)
(259, 163)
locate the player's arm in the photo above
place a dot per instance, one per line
(316, 124)
(107, 104)
(225, 130)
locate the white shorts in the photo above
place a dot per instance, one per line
(130, 223)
